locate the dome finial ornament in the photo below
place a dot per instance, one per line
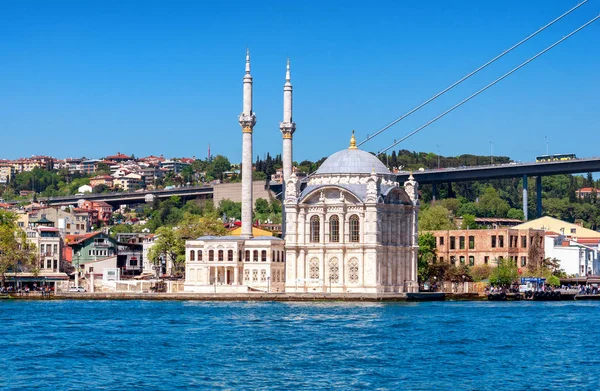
(353, 141)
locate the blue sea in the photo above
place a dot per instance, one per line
(188, 345)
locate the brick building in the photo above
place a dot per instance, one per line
(484, 246)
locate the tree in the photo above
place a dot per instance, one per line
(194, 226)
(230, 209)
(480, 272)
(505, 273)
(16, 253)
(426, 255)
(434, 218)
(101, 188)
(491, 205)
(219, 165)
(553, 281)
(261, 206)
(169, 247)
(468, 222)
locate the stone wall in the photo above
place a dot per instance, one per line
(233, 192)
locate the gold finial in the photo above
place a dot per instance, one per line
(353, 141)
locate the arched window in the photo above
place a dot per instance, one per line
(354, 229)
(313, 269)
(334, 229)
(273, 259)
(230, 255)
(199, 255)
(192, 255)
(353, 271)
(263, 255)
(211, 255)
(221, 255)
(315, 229)
(255, 256)
(247, 256)
(239, 255)
(334, 271)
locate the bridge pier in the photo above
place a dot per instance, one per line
(538, 191)
(434, 191)
(525, 196)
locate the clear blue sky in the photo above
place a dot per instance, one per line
(90, 78)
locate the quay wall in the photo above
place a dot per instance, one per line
(237, 296)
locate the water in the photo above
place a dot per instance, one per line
(149, 345)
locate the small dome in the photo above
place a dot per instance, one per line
(352, 161)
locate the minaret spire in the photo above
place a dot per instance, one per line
(247, 121)
(247, 61)
(287, 126)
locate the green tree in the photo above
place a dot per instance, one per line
(101, 188)
(168, 246)
(491, 205)
(261, 206)
(553, 281)
(434, 218)
(468, 222)
(426, 255)
(16, 254)
(218, 166)
(194, 226)
(230, 209)
(505, 273)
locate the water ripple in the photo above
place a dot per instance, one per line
(281, 346)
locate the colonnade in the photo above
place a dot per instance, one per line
(224, 275)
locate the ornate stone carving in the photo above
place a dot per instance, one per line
(372, 189)
(291, 190)
(411, 187)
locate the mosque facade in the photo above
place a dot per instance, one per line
(352, 229)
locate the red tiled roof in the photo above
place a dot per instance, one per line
(76, 239)
(119, 155)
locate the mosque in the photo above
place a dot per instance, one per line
(352, 229)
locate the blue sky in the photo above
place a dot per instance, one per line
(90, 78)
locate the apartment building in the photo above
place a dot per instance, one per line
(484, 246)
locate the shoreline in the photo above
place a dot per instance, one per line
(284, 297)
(281, 297)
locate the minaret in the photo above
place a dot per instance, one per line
(247, 121)
(287, 127)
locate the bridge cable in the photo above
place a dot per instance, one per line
(490, 85)
(471, 74)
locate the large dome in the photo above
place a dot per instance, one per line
(352, 161)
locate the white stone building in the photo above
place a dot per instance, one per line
(235, 264)
(576, 259)
(353, 229)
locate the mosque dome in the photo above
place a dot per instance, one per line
(352, 161)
